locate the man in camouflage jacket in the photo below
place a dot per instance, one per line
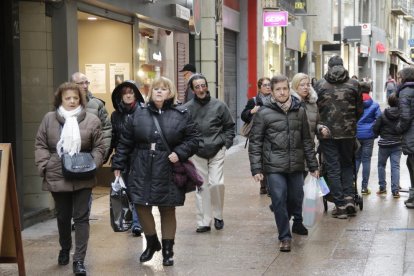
(340, 106)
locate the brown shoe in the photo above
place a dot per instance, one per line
(285, 246)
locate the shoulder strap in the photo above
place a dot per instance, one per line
(157, 125)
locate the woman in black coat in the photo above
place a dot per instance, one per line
(125, 98)
(150, 177)
(252, 106)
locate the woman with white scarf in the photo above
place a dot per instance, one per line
(69, 129)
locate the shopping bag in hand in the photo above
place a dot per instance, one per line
(120, 207)
(312, 202)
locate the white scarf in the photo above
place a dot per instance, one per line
(70, 140)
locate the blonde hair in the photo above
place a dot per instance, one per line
(297, 78)
(165, 82)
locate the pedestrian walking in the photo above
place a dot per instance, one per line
(150, 178)
(252, 106)
(280, 141)
(69, 129)
(366, 135)
(304, 92)
(217, 133)
(188, 71)
(340, 106)
(95, 106)
(126, 98)
(405, 94)
(390, 86)
(389, 147)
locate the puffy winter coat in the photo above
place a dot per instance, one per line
(120, 116)
(406, 123)
(385, 127)
(215, 123)
(48, 161)
(339, 103)
(150, 177)
(366, 123)
(279, 141)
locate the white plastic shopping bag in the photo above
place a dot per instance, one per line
(312, 202)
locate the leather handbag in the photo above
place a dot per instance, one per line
(185, 174)
(80, 166)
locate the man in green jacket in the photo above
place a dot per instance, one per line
(217, 129)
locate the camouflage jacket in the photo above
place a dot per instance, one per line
(339, 103)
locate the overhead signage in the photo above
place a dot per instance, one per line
(275, 18)
(365, 28)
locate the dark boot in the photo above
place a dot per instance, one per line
(153, 244)
(409, 203)
(79, 268)
(167, 252)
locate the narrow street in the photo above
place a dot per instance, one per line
(378, 241)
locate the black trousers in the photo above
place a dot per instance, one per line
(73, 204)
(410, 167)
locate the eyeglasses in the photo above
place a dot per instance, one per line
(304, 85)
(266, 85)
(203, 85)
(83, 83)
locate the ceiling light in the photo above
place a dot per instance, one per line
(92, 18)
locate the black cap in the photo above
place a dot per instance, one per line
(189, 67)
(335, 61)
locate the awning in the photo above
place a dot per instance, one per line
(402, 56)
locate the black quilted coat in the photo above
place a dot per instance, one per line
(150, 177)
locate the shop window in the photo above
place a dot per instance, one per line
(156, 53)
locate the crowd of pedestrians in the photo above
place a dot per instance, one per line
(293, 122)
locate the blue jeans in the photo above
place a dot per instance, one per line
(394, 153)
(286, 192)
(135, 218)
(364, 155)
(339, 167)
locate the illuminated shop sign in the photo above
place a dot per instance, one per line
(275, 18)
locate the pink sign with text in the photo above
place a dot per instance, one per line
(275, 18)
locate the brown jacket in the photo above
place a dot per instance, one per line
(48, 161)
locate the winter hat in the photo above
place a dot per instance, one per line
(335, 61)
(188, 67)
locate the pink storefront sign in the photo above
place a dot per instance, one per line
(275, 18)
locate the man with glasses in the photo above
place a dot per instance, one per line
(97, 107)
(217, 129)
(188, 71)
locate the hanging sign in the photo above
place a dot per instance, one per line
(275, 18)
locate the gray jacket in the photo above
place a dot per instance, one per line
(97, 107)
(216, 125)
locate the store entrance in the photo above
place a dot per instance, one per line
(105, 54)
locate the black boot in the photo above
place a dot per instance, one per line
(167, 252)
(153, 244)
(79, 268)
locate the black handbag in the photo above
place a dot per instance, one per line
(80, 166)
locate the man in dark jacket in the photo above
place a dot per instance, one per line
(280, 141)
(405, 125)
(188, 71)
(340, 106)
(217, 133)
